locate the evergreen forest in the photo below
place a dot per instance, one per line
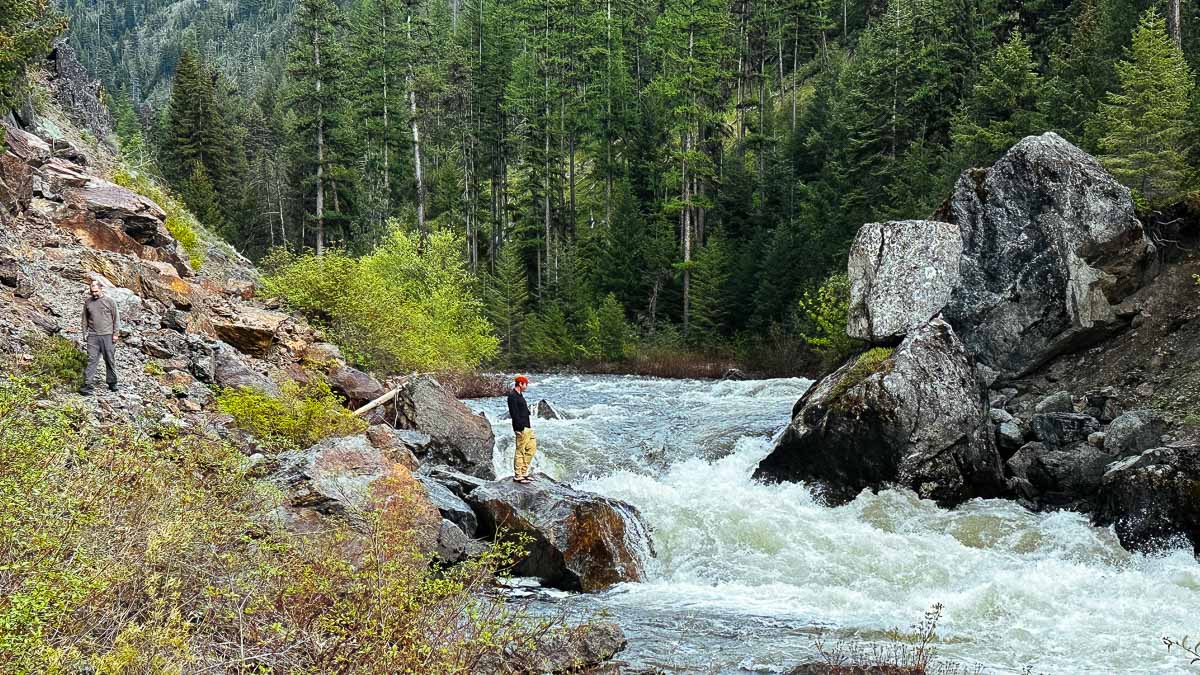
(617, 174)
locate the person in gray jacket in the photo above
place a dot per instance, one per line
(101, 330)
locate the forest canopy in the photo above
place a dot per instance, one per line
(700, 164)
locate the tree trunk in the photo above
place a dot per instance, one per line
(1174, 22)
(320, 152)
(416, 137)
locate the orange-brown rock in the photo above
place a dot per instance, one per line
(580, 541)
(251, 330)
(348, 479)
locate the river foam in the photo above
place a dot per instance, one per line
(747, 573)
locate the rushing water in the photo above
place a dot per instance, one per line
(747, 574)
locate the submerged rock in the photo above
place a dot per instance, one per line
(1153, 499)
(581, 541)
(458, 437)
(902, 273)
(574, 649)
(1050, 246)
(915, 418)
(546, 411)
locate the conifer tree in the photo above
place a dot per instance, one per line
(507, 300)
(26, 29)
(1003, 106)
(1143, 127)
(315, 66)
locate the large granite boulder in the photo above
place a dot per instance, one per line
(348, 478)
(1059, 475)
(1134, 433)
(916, 417)
(1050, 246)
(458, 437)
(1153, 499)
(902, 273)
(580, 541)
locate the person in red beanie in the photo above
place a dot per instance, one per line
(518, 410)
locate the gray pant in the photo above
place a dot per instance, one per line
(100, 346)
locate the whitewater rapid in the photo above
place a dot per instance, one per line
(747, 574)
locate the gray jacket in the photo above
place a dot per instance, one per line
(100, 316)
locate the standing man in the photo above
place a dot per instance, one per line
(518, 410)
(101, 325)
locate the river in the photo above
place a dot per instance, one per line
(747, 574)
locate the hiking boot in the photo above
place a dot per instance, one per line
(112, 386)
(86, 391)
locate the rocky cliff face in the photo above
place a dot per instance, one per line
(1029, 264)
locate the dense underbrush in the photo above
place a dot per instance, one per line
(132, 550)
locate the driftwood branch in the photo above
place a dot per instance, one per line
(391, 394)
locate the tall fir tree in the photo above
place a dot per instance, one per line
(1004, 105)
(316, 64)
(1143, 127)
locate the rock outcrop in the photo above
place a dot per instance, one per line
(458, 437)
(1153, 499)
(579, 540)
(902, 273)
(916, 418)
(348, 478)
(1050, 246)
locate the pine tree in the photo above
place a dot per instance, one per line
(691, 41)
(195, 131)
(507, 300)
(1003, 106)
(26, 29)
(315, 66)
(1143, 127)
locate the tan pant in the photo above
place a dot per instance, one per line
(526, 447)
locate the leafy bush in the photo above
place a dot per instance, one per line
(405, 306)
(180, 222)
(301, 416)
(56, 360)
(121, 553)
(823, 316)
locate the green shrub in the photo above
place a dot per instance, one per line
(301, 416)
(180, 222)
(822, 317)
(872, 361)
(123, 553)
(405, 306)
(57, 361)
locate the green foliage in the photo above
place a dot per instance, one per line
(180, 222)
(872, 361)
(56, 360)
(1003, 105)
(1143, 129)
(705, 162)
(404, 306)
(823, 316)
(506, 295)
(123, 553)
(26, 29)
(299, 417)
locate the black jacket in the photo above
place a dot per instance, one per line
(518, 410)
